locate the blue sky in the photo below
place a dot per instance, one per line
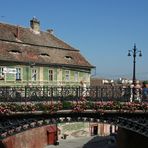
(103, 30)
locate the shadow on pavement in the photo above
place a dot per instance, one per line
(101, 142)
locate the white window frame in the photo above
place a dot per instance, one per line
(18, 75)
(67, 75)
(34, 74)
(50, 75)
(2, 75)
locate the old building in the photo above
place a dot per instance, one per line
(30, 56)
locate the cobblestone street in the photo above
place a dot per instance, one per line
(86, 142)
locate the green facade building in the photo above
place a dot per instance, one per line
(29, 56)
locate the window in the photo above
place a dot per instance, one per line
(2, 76)
(34, 74)
(45, 54)
(18, 73)
(50, 75)
(14, 51)
(76, 76)
(68, 57)
(67, 75)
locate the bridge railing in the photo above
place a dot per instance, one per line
(45, 93)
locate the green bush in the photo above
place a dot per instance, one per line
(67, 105)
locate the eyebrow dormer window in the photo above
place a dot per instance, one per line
(14, 51)
(44, 55)
(68, 58)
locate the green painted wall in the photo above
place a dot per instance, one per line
(63, 74)
(55, 74)
(45, 75)
(72, 75)
(10, 77)
(26, 76)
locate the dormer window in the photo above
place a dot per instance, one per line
(44, 55)
(68, 58)
(14, 51)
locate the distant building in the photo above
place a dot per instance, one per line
(100, 81)
(125, 81)
(33, 57)
(96, 81)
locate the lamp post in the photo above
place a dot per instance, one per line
(134, 52)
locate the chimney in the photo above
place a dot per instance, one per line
(35, 24)
(50, 31)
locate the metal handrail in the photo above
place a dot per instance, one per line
(68, 93)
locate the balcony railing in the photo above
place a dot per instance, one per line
(99, 93)
(39, 83)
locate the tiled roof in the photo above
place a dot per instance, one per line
(20, 44)
(26, 35)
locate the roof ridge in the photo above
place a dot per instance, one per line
(13, 25)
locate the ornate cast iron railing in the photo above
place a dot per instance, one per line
(99, 93)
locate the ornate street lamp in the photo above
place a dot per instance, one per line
(134, 52)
